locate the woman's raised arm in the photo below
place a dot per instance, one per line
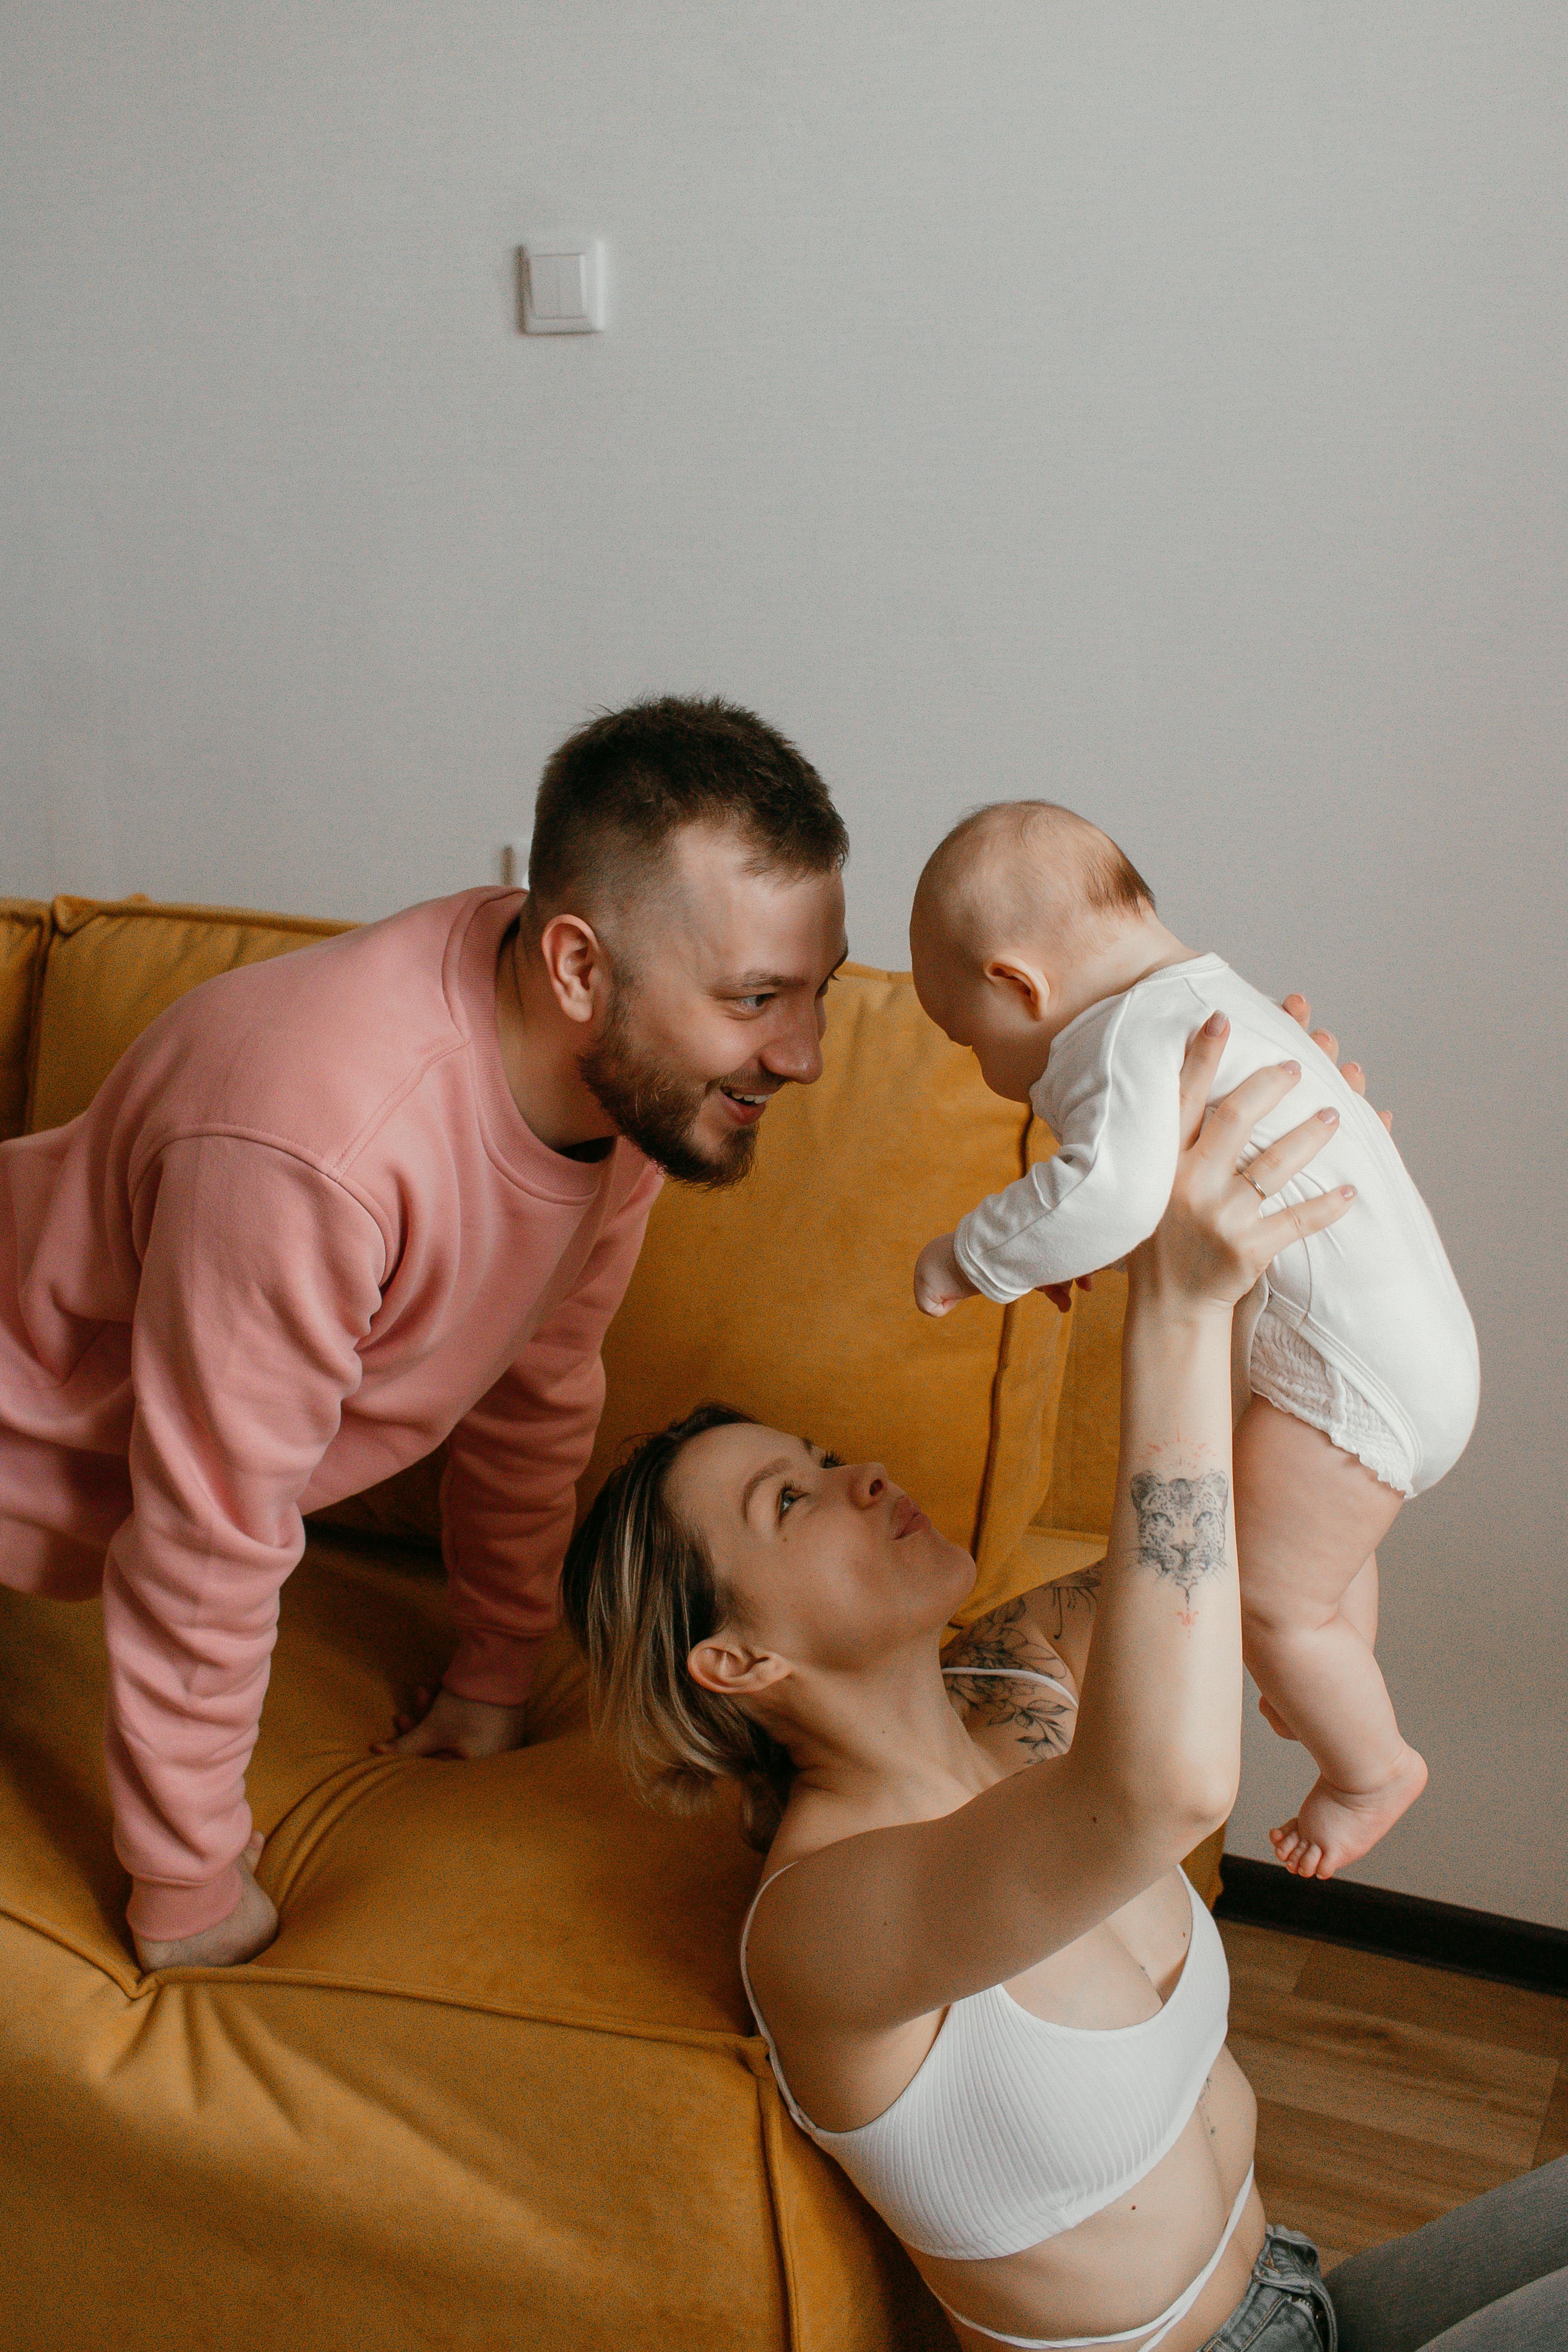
(896, 1923)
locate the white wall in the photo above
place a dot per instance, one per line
(1157, 405)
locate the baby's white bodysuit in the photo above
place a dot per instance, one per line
(1364, 1332)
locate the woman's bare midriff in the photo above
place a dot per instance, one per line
(1129, 2263)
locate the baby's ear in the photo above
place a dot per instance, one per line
(1024, 984)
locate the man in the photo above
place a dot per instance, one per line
(332, 1209)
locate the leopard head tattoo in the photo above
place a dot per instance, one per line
(1180, 1524)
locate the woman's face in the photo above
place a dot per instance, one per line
(829, 1563)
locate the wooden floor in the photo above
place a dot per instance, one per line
(1388, 2091)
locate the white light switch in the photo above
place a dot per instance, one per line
(563, 286)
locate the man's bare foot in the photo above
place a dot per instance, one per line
(1272, 1716)
(248, 1929)
(1336, 1826)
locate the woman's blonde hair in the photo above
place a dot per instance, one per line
(640, 1590)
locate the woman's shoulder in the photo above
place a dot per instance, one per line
(812, 1826)
(776, 1937)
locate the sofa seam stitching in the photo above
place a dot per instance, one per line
(192, 910)
(66, 1943)
(768, 2118)
(719, 2039)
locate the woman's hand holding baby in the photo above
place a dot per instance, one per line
(1215, 1239)
(1354, 1076)
(1297, 1006)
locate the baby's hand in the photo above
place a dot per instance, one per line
(1060, 1293)
(445, 1725)
(941, 1283)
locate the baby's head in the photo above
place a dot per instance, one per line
(1013, 911)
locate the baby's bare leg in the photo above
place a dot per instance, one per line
(1359, 1607)
(1308, 1517)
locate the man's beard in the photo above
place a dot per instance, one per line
(657, 1109)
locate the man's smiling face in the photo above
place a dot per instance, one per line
(723, 976)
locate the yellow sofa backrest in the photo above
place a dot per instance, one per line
(112, 966)
(24, 940)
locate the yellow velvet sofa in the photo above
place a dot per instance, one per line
(495, 2085)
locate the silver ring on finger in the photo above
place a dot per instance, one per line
(1257, 1187)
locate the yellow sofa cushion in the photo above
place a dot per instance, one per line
(494, 2084)
(24, 936)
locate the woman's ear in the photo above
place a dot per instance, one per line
(724, 1665)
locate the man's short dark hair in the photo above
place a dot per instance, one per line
(617, 791)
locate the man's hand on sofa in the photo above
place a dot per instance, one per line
(442, 1724)
(1354, 1076)
(249, 1928)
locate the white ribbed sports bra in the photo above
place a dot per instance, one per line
(1013, 2129)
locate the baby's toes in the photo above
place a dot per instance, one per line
(1297, 1851)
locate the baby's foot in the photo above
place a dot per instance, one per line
(1336, 1826)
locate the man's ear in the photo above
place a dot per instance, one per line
(725, 1666)
(1025, 984)
(576, 966)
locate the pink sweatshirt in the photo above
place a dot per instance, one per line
(300, 1235)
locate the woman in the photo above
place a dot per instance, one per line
(987, 1987)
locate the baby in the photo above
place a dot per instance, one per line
(1036, 944)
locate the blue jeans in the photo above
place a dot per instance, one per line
(1286, 2308)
